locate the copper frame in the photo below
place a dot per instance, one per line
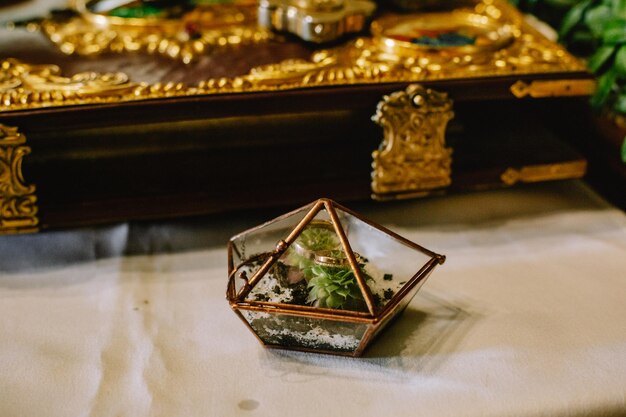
(375, 320)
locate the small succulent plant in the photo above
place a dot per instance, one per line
(316, 239)
(329, 286)
(334, 288)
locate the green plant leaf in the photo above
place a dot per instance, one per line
(596, 19)
(601, 56)
(614, 32)
(624, 151)
(561, 4)
(355, 292)
(333, 301)
(620, 104)
(573, 17)
(344, 292)
(605, 85)
(619, 8)
(620, 62)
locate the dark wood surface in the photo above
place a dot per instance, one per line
(155, 170)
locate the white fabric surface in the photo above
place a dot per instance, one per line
(526, 318)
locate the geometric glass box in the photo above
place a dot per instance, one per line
(321, 278)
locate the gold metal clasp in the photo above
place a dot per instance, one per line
(18, 208)
(412, 158)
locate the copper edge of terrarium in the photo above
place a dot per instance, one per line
(365, 340)
(232, 274)
(372, 330)
(231, 267)
(281, 246)
(305, 311)
(369, 299)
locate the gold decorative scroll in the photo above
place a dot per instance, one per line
(23, 85)
(18, 203)
(198, 32)
(370, 60)
(412, 157)
(360, 61)
(546, 172)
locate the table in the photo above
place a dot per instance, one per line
(526, 318)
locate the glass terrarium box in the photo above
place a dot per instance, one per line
(323, 279)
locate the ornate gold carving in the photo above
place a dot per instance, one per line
(483, 34)
(553, 88)
(361, 61)
(197, 33)
(23, 85)
(18, 208)
(519, 50)
(412, 156)
(538, 173)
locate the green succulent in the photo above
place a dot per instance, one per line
(332, 287)
(316, 238)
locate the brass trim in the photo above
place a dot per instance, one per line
(413, 156)
(553, 88)
(547, 172)
(18, 202)
(361, 61)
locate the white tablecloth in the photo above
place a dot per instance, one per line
(526, 318)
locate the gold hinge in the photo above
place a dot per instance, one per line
(18, 203)
(547, 172)
(412, 158)
(552, 88)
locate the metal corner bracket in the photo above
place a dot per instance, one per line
(18, 202)
(412, 158)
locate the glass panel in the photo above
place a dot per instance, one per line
(398, 309)
(305, 332)
(313, 271)
(250, 249)
(388, 262)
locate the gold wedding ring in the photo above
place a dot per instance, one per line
(333, 258)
